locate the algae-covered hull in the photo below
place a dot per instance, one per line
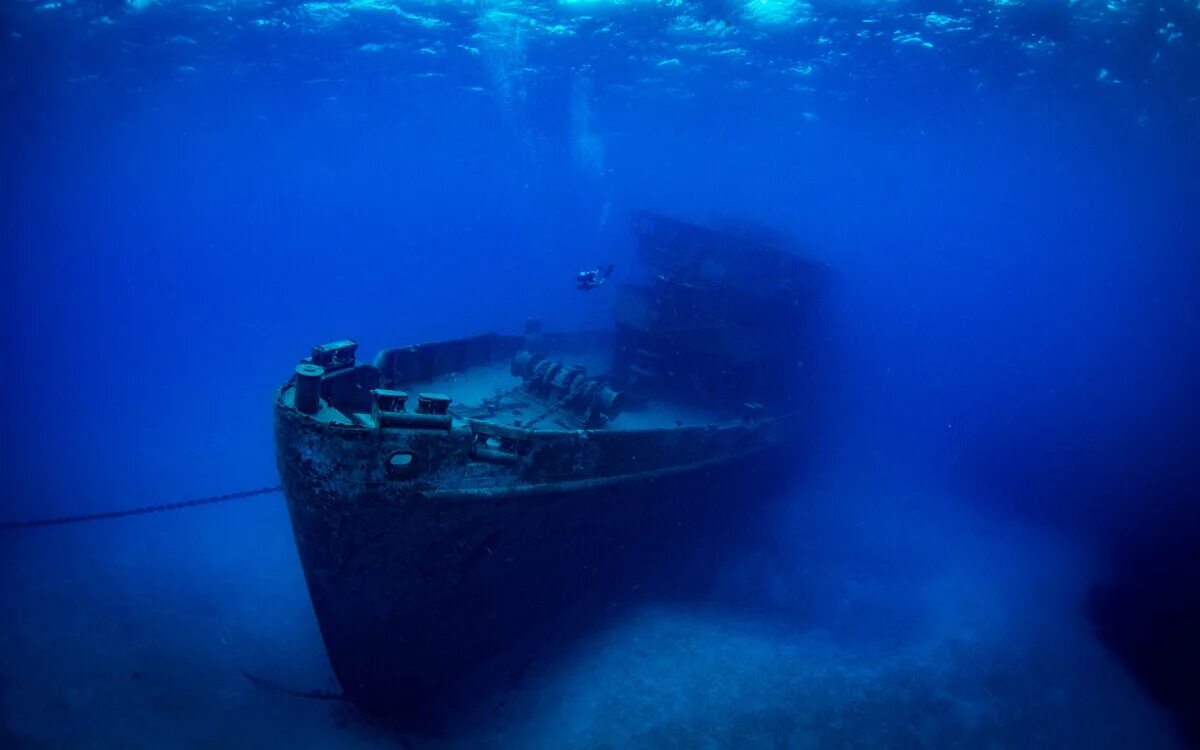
(412, 590)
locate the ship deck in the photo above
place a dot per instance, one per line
(491, 393)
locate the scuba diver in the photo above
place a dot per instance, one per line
(592, 278)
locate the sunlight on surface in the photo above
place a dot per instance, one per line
(778, 11)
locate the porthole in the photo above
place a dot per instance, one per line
(402, 464)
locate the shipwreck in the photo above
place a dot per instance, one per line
(450, 496)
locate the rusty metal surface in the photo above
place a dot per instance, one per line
(407, 535)
(414, 581)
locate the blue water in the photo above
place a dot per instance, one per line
(995, 545)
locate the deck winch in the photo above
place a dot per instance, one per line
(568, 387)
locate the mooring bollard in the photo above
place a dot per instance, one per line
(308, 387)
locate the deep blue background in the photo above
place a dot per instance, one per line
(1014, 234)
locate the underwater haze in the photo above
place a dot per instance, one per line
(996, 543)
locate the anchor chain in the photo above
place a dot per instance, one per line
(550, 410)
(61, 520)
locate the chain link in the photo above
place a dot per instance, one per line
(61, 520)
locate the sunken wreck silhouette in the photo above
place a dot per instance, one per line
(451, 496)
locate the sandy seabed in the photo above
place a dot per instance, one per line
(886, 621)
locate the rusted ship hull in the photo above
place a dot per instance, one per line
(414, 590)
